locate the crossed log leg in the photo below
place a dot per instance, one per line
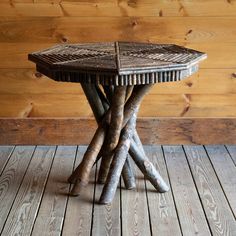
(114, 138)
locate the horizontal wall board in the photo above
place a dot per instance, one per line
(205, 81)
(74, 29)
(220, 55)
(101, 8)
(152, 131)
(153, 105)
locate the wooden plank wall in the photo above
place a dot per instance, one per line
(27, 25)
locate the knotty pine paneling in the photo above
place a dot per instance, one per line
(208, 26)
(82, 29)
(120, 8)
(154, 105)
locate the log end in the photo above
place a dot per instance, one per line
(77, 188)
(130, 184)
(130, 187)
(71, 180)
(104, 200)
(161, 186)
(164, 189)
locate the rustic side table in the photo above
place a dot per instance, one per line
(115, 77)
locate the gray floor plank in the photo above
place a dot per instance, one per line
(190, 212)
(51, 213)
(106, 218)
(135, 219)
(163, 214)
(226, 171)
(219, 215)
(5, 153)
(11, 178)
(25, 206)
(78, 214)
(232, 150)
(34, 200)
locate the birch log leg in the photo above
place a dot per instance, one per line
(98, 111)
(108, 90)
(94, 100)
(81, 175)
(113, 134)
(127, 172)
(118, 162)
(147, 168)
(82, 172)
(104, 100)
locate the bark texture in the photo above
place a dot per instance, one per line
(147, 168)
(118, 162)
(81, 174)
(128, 174)
(112, 117)
(113, 134)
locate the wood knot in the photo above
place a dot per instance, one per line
(189, 83)
(160, 13)
(38, 74)
(189, 32)
(132, 3)
(234, 75)
(134, 23)
(64, 39)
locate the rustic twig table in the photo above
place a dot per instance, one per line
(115, 77)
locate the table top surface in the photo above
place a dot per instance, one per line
(123, 60)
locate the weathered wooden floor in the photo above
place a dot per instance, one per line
(202, 200)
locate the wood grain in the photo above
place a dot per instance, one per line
(51, 213)
(72, 131)
(26, 96)
(74, 29)
(153, 106)
(106, 218)
(79, 210)
(101, 8)
(163, 215)
(191, 215)
(5, 153)
(226, 172)
(28, 26)
(30, 193)
(79, 215)
(219, 215)
(135, 219)
(11, 179)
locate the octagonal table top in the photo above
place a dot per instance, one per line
(117, 63)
